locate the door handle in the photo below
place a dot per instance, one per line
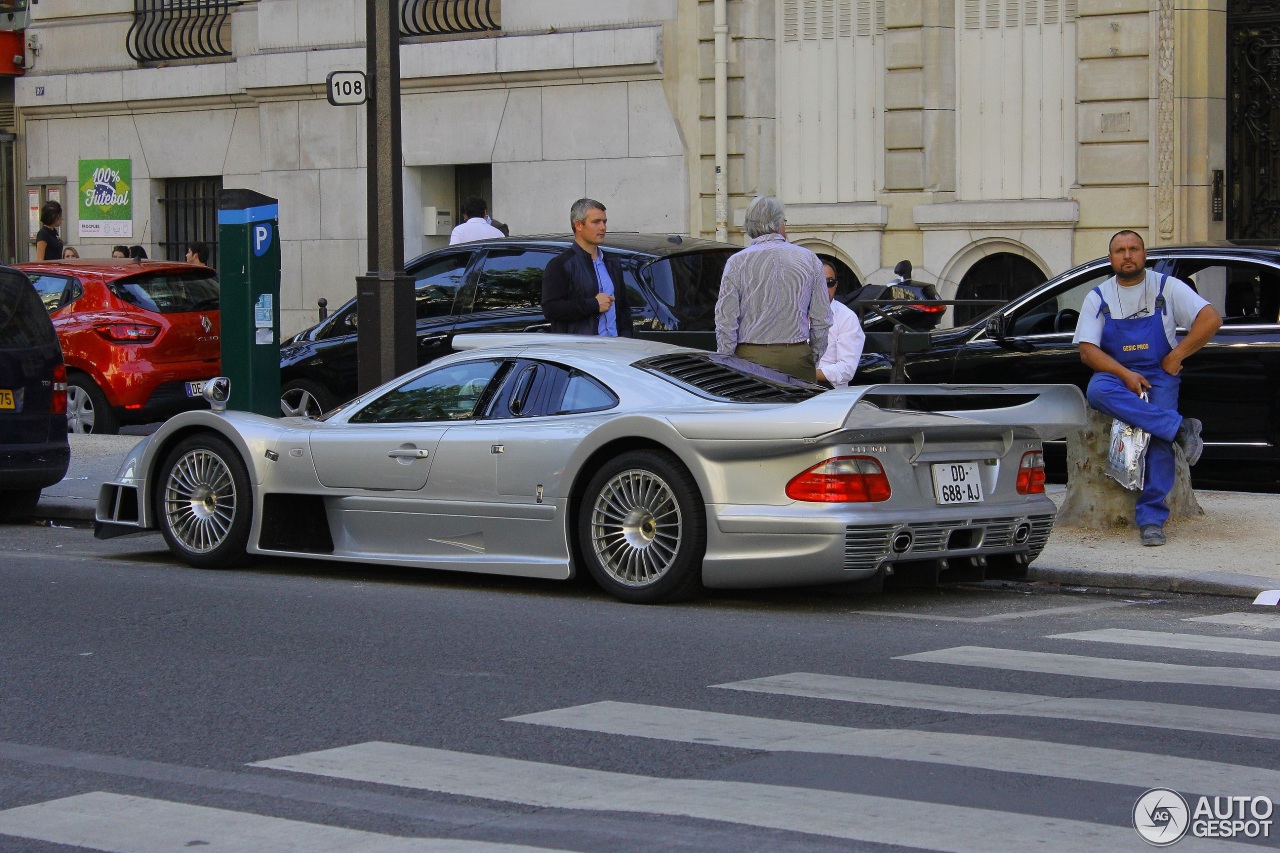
(538, 327)
(408, 453)
(430, 340)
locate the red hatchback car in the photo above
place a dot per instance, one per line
(139, 337)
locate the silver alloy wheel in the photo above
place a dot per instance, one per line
(200, 500)
(299, 402)
(636, 527)
(80, 412)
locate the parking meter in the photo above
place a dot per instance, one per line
(249, 252)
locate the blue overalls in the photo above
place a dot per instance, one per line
(1140, 344)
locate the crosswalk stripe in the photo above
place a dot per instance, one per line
(1163, 640)
(818, 812)
(127, 824)
(1009, 755)
(1114, 669)
(1243, 619)
(967, 700)
(1002, 617)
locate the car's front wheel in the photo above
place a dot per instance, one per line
(642, 528)
(203, 502)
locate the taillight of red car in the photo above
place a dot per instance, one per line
(842, 479)
(1031, 473)
(128, 333)
(58, 403)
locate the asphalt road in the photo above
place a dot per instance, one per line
(147, 706)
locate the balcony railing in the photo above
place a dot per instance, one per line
(180, 29)
(449, 17)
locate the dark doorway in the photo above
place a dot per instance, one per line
(846, 278)
(190, 208)
(1003, 276)
(1253, 119)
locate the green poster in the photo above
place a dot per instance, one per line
(105, 198)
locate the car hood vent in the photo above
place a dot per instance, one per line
(724, 377)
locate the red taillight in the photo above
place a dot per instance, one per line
(1031, 473)
(844, 479)
(128, 333)
(930, 308)
(58, 404)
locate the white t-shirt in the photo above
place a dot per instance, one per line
(1181, 305)
(474, 228)
(844, 346)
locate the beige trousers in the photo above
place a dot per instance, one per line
(793, 359)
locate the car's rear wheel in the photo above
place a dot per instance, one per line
(642, 528)
(87, 408)
(18, 504)
(204, 503)
(306, 398)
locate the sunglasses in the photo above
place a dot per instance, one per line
(831, 282)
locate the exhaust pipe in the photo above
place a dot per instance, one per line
(1022, 534)
(902, 542)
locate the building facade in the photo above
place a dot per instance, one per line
(990, 142)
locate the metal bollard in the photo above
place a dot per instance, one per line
(324, 308)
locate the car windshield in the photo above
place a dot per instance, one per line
(169, 292)
(23, 319)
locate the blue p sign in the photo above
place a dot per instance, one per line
(261, 238)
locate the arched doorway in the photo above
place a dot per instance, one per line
(1000, 276)
(845, 276)
(1253, 120)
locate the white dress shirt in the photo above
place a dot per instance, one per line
(475, 228)
(844, 346)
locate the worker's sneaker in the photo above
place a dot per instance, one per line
(1152, 534)
(1188, 438)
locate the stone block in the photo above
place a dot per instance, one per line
(244, 154)
(326, 135)
(99, 87)
(194, 81)
(535, 53)
(322, 23)
(344, 204)
(535, 197)
(274, 70)
(1125, 78)
(758, 141)
(584, 122)
(40, 90)
(123, 141)
(300, 208)
(1113, 121)
(900, 14)
(1114, 35)
(441, 128)
(1121, 163)
(520, 133)
(642, 193)
(277, 23)
(449, 59)
(938, 76)
(321, 62)
(904, 129)
(904, 170)
(1200, 38)
(640, 46)
(579, 14)
(903, 49)
(940, 150)
(1202, 149)
(37, 139)
(205, 135)
(278, 123)
(1091, 8)
(940, 14)
(651, 127)
(1114, 208)
(903, 90)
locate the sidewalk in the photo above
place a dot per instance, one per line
(1232, 550)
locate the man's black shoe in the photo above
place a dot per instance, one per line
(1152, 534)
(1188, 438)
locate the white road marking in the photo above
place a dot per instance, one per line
(966, 700)
(817, 812)
(1002, 617)
(1115, 669)
(1246, 620)
(125, 824)
(1163, 640)
(1009, 755)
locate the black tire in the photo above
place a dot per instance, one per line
(87, 408)
(204, 502)
(642, 528)
(304, 397)
(18, 504)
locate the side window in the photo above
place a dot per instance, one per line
(448, 394)
(584, 394)
(1243, 293)
(1056, 313)
(56, 290)
(689, 286)
(541, 388)
(436, 285)
(512, 279)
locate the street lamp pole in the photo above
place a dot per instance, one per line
(384, 295)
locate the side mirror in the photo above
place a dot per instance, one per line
(996, 327)
(217, 391)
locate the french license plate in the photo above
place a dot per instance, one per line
(957, 483)
(6, 399)
(194, 388)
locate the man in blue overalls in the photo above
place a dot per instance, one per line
(1127, 335)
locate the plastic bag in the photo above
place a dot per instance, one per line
(1127, 455)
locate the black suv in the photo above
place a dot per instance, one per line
(496, 286)
(33, 399)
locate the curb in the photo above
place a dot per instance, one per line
(1202, 583)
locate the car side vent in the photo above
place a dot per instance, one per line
(728, 378)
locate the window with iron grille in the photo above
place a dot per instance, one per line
(190, 208)
(168, 30)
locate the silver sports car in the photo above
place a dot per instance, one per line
(658, 469)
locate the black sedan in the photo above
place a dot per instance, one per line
(496, 286)
(1232, 385)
